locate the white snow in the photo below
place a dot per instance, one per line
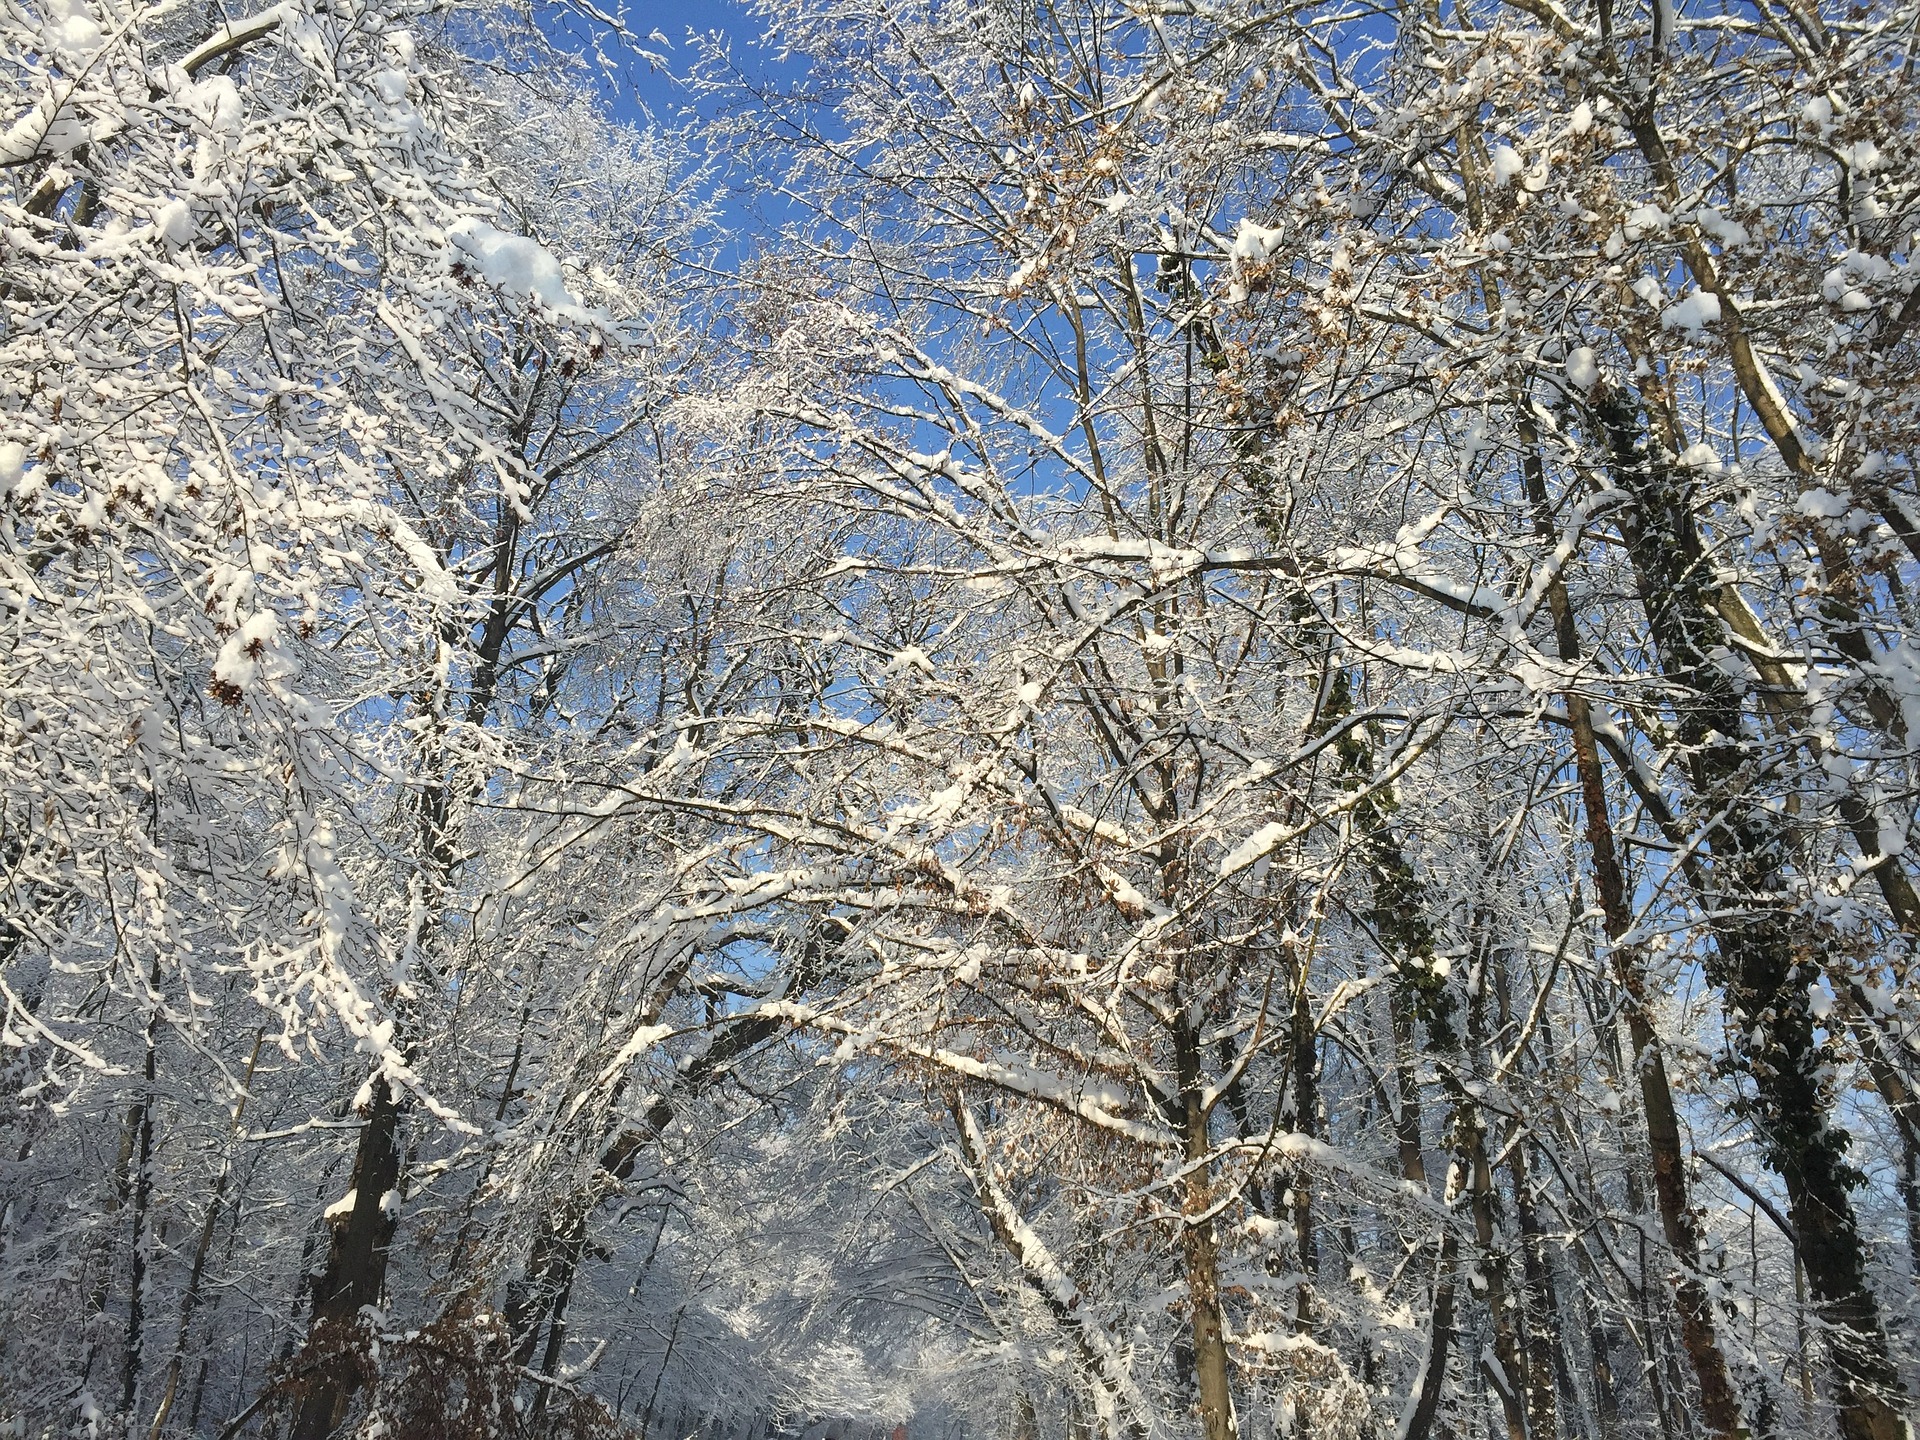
(174, 221)
(72, 26)
(1722, 231)
(1819, 504)
(1255, 242)
(1863, 157)
(1692, 313)
(1702, 456)
(910, 658)
(45, 130)
(521, 267)
(1820, 999)
(1252, 848)
(1583, 369)
(216, 100)
(239, 661)
(1121, 889)
(1644, 220)
(1105, 829)
(389, 85)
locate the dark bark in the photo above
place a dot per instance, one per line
(1304, 1054)
(1423, 1401)
(1539, 1307)
(135, 1357)
(1759, 947)
(1508, 1375)
(356, 1267)
(1719, 1407)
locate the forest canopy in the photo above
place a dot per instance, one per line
(1122, 719)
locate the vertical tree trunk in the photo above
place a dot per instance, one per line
(135, 1357)
(1406, 1116)
(1304, 1052)
(550, 1279)
(1600, 1348)
(1719, 1407)
(1200, 1250)
(1423, 1400)
(1756, 959)
(1416, 996)
(356, 1269)
(1471, 1171)
(1077, 1427)
(1539, 1307)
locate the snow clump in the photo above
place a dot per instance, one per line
(1692, 313)
(521, 267)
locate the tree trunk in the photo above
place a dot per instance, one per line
(1757, 953)
(1509, 1373)
(1539, 1307)
(1026, 1418)
(355, 1272)
(1200, 1250)
(1305, 1056)
(135, 1359)
(1719, 1407)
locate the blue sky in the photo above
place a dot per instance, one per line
(673, 19)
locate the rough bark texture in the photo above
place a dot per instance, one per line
(356, 1267)
(1719, 1406)
(1759, 949)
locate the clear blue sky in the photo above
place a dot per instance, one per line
(673, 19)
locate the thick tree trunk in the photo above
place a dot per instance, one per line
(1757, 952)
(1200, 1250)
(356, 1271)
(1304, 1051)
(1719, 1408)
